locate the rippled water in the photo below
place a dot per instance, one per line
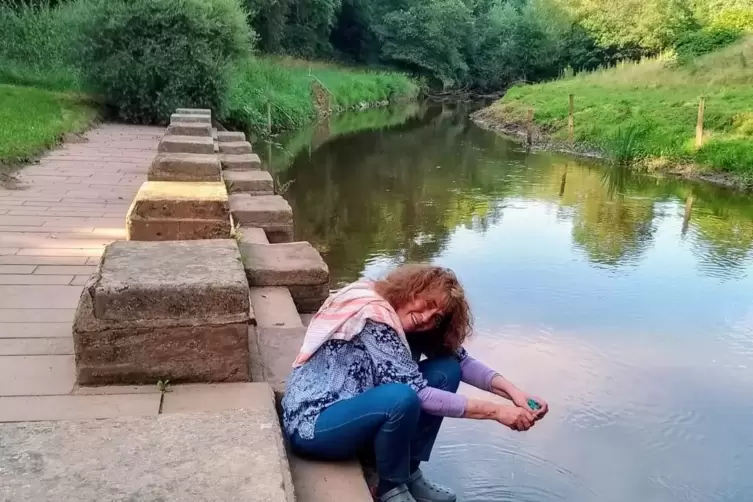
(626, 301)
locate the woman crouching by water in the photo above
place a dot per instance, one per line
(359, 384)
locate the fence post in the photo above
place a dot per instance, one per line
(269, 118)
(699, 123)
(571, 120)
(529, 129)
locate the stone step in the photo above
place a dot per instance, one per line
(328, 481)
(270, 212)
(286, 264)
(230, 136)
(251, 235)
(194, 111)
(274, 308)
(176, 210)
(164, 310)
(189, 129)
(235, 147)
(190, 117)
(210, 443)
(185, 167)
(272, 352)
(241, 162)
(186, 144)
(78, 407)
(251, 182)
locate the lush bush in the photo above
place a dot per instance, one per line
(149, 57)
(704, 41)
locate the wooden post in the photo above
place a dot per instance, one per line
(529, 129)
(699, 123)
(571, 120)
(269, 118)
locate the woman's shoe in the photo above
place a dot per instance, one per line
(397, 494)
(424, 490)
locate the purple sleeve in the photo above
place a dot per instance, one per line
(442, 403)
(474, 372)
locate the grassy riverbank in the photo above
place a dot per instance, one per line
(298, 90)
(34, 120)
(645, 113)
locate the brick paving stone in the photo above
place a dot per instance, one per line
(36, 375)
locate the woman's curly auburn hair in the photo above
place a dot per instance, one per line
(409, 282)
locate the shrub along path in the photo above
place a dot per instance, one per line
(55, 221)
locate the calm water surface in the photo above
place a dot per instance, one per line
(627, 302)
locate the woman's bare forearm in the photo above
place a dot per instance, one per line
(478, 409)
(503, 387)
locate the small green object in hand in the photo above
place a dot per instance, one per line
(533, 405)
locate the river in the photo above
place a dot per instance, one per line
(625, 301)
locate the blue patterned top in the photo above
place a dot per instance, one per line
(344, 369)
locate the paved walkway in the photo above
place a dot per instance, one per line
(54, 225)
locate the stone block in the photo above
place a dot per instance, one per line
(308, 299)
(190, 129)
(167, 310)
(270, 212)
(185, 167)
(273, 351)
(230, 136)
(242, 162)
(288, 264)
(175, 210)
(251, 182)
(194, 111)
(186, 144)
(190, 117)
(235, 147)
(169, 280)
(231, 455)
(274, 308)
(326, 481)
(251, 235)
(77, 407)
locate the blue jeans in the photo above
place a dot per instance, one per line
(386, 422)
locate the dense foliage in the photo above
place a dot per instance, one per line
(149, 57)
(492, 43)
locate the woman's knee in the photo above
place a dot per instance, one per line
(443, 373)
(401, 397)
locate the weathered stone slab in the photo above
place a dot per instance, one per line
(242, 162)
(328, 481)
(287, 264)
(186, 144)
(274, 308)
(194, 111)
(273, 351)
(172, 210)
(251, 235)
(190, 117)
(168, 310)
(77, 407)
(190, 129)
(270, 212)
(308, 299)
(169, 280)
(251, 182)
(230, 136)
(234, 455)
(235, 147)
(185, 167)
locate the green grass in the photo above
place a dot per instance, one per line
(286, 84)
(34, 120)
(37, 42)
(646, 112)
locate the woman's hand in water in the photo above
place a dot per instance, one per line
(516, 418)
(520, 399)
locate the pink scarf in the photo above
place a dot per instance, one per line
(343, 316)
